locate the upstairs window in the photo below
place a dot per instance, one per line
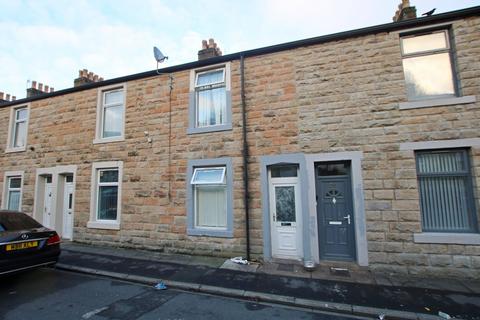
(210, 98)
(110, 115)
(18, 129)
(427, 64)
(446, 191)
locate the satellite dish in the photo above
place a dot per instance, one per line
(159, 56)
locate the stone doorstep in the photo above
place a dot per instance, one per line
(257, 296)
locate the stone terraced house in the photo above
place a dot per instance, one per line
(358, 149)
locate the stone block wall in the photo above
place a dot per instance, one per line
(330, 97)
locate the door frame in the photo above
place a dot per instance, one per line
(287, 181)
(348, 178)
(358, 201)
(57, 174)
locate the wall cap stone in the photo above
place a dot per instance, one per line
(450, 238)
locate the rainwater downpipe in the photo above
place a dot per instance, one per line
(246, 195)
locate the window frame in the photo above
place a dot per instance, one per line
(469, 192)
(94, 221)
(101, 107)
(446, 30)
(194, 89)
(192, 228)
(12, 129)
(6, 188)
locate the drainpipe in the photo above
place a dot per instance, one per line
(246, 195)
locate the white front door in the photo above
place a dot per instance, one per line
(47, 207)
(68, 209)
(285, 215)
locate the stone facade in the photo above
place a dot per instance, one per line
(333, 96)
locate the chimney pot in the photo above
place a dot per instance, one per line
(14, 98)
(210, 42)
(40, 86)
(209, 49)
(204, 44)
(45, 89)
(1, 95)
(34, 84)
(7, 97)
(51, 89)
(95, 77)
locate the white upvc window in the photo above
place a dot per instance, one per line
(18, 129)
(210, 106)
(12, 191)
(427, 65)
(210, 98)
(210, 197)
(105, 202)
(111, 114)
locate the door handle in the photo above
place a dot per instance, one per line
(348, 218)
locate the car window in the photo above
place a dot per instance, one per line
(11, 221)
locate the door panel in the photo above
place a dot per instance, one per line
(335, 217)
(285, 218)
(68, 211)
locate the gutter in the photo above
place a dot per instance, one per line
(387, 27)
(246, 197)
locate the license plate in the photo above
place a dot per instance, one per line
(21, 245)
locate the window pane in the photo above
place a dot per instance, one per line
(428, 76)
(17, 221)
(285, 203)
(108, 176)
(209, 176)
(20, 133)
(442, 162)
(210, 78)
(444, 204)
(15, 182)
(14, 200)
(69, 178)
(112, 121)
(333, 169)
(284, 171)
(211, 206)
(114, 97)
(107, 202)
(22, 114)
(211, 107)
(444, 200)
(424, 43)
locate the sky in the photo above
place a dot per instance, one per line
(50, 40)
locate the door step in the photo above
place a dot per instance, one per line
(340, 272)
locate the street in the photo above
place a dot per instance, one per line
(53, 294)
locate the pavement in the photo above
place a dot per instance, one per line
(359, 293)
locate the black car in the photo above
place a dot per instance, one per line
(25, 243)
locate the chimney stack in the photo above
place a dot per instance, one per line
(209, 50)
(5, 97)
(405, 12)
(84, 77)
(35, 90)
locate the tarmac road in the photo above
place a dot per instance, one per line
(53, 294)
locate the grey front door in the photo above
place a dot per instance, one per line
(335, 211)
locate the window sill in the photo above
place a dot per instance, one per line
(436, 102)
(114, 225)
(447, 238)
(223, 127)
(107, 140)
(12, 150)
(210, 233)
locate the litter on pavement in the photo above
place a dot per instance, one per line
(239, 260)
(160, 286)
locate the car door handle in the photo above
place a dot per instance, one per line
(348, 218)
